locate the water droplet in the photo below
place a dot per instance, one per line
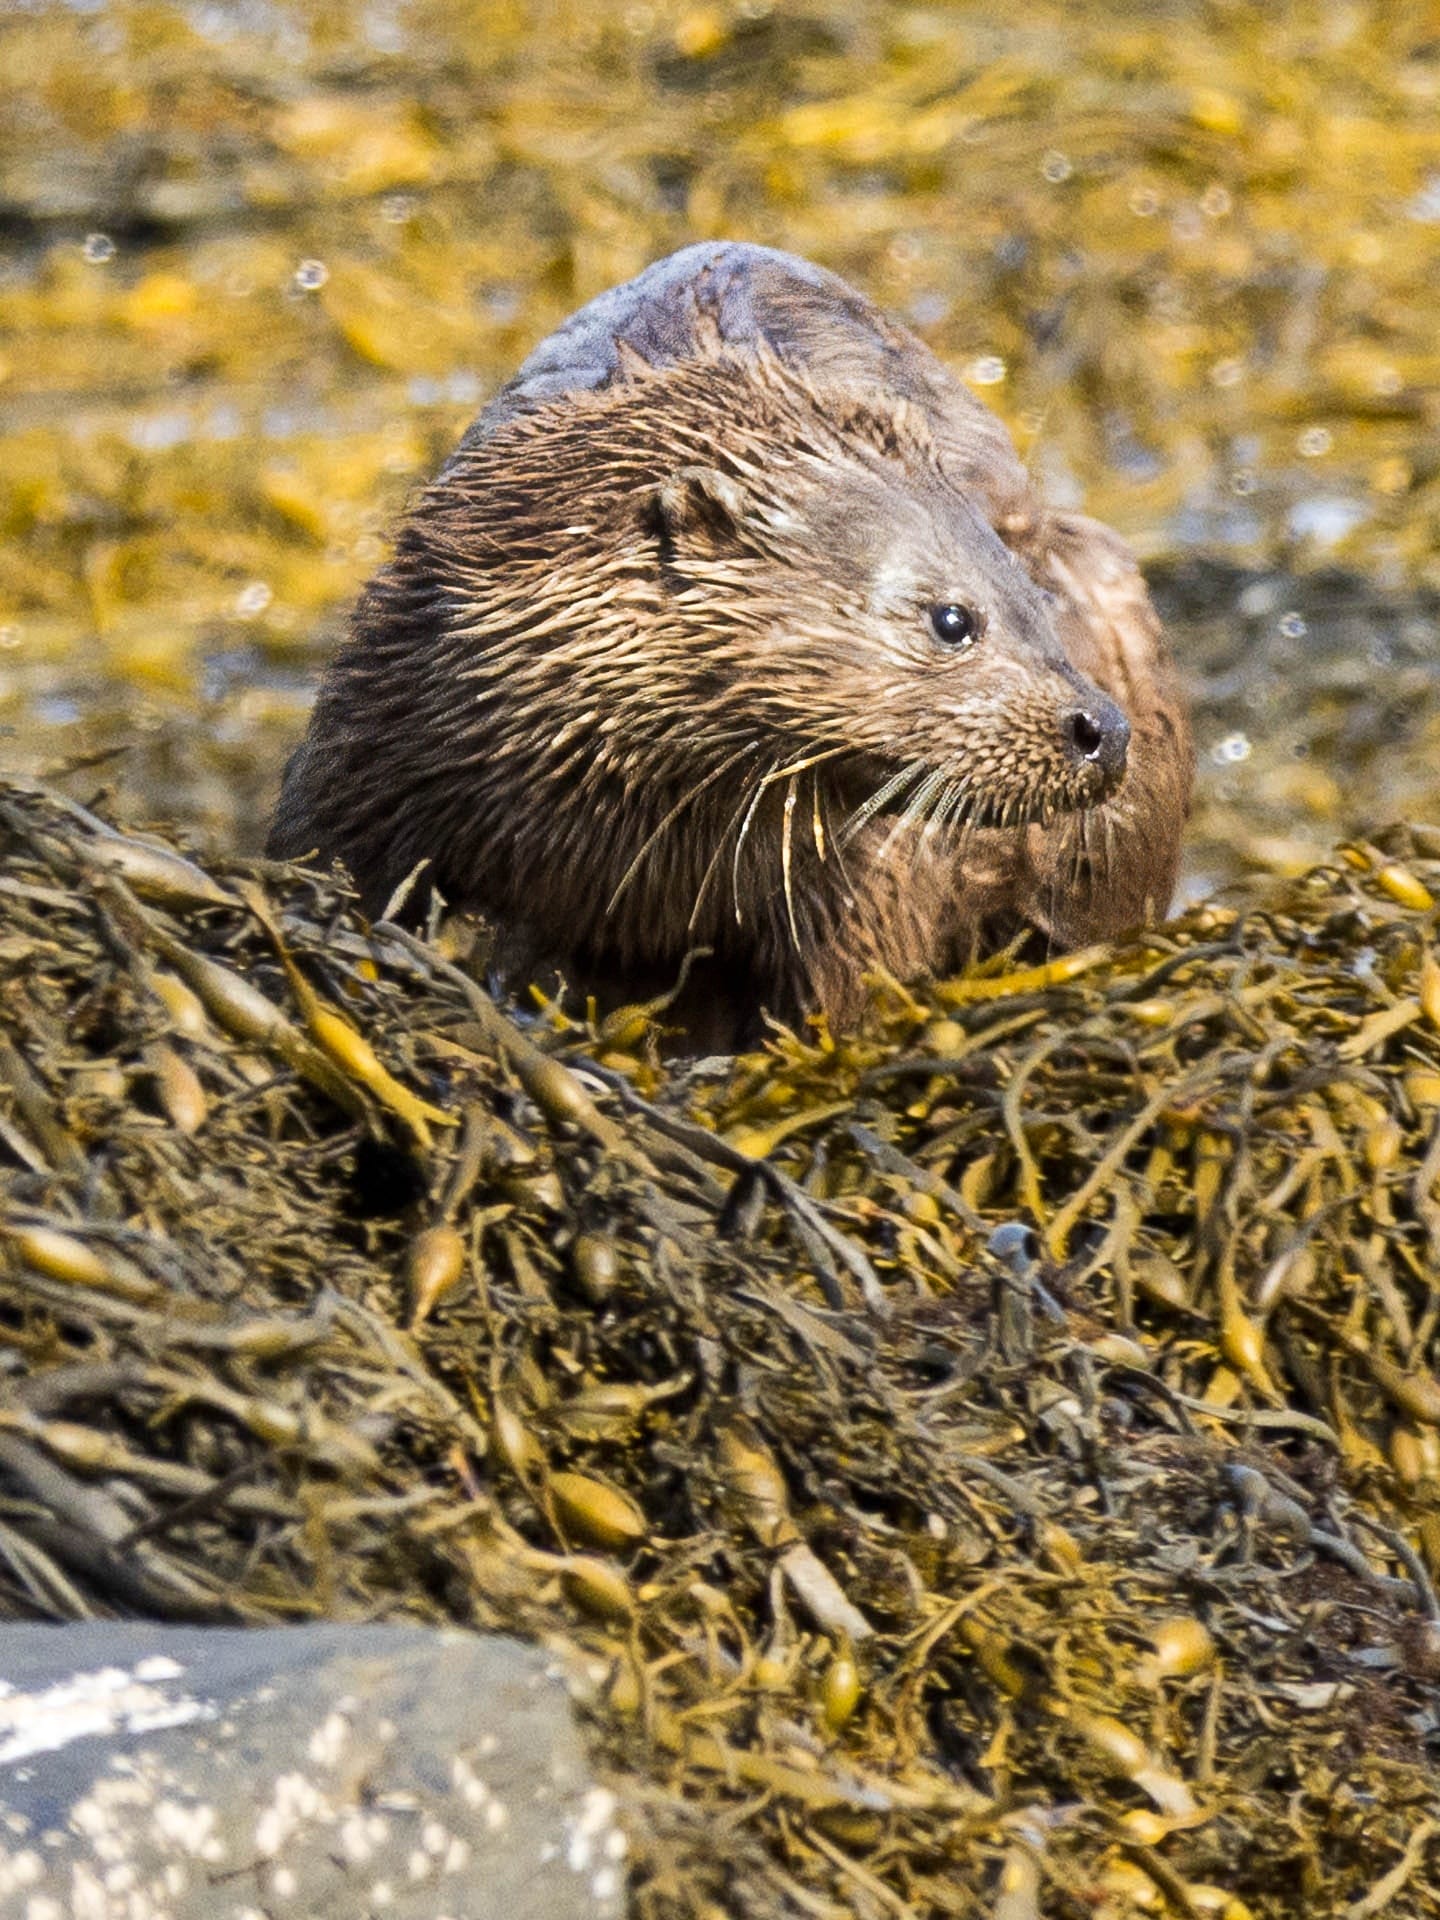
(99, 249)
(253, 599)
(1227, 373)
(1243, 481)
(311, 275)
(1325, 518)
(1314, 441)
(158, 432)
(223, 423)
(397, 208)
(987, 371)
(213, 23)
(1233, 748)
(1144, 203)
(1293, 626)
(1215, 202)
(503, 304)
(383, 33)
(1056, 166)
(9, 638)
(928, 309)
(1260, 598)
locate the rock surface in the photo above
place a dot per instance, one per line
(159, 1773)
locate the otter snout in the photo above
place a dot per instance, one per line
(1097, 739)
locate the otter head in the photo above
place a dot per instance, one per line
(841, 600)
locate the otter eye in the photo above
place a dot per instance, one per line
(954, 624)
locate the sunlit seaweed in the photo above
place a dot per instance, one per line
(988, 1463)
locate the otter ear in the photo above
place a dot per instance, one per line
(695, 499)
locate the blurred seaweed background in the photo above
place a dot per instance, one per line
(261, 259)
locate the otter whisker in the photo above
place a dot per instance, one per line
(1082, 865)
(951, 804)
(791, 771)
(928, 815)
(922, 810)
(919, 807)
(756, 798)
(835, 843)
(953, 809)
(926, 835)
(792, 794)
(914, 811)
(716, 773)
(1065, 873)
(962, 849)
(803, 764)
(712, 865)
(895, 784)
(1066, 859)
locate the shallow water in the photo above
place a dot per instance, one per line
(260, 262)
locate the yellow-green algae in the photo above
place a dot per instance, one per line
(261, 262)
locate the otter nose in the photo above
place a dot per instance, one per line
(1097, 735)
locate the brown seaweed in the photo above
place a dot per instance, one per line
(988, 1462)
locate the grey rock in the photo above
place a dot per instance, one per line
(327, 1772)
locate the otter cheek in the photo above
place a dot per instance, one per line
(1095, 739)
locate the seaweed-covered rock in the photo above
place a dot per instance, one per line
(986, 1462)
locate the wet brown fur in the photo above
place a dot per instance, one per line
(649, 651)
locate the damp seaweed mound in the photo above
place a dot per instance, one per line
(987, 1464)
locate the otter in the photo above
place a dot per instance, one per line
(733, 623)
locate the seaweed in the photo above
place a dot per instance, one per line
(989, 1461)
